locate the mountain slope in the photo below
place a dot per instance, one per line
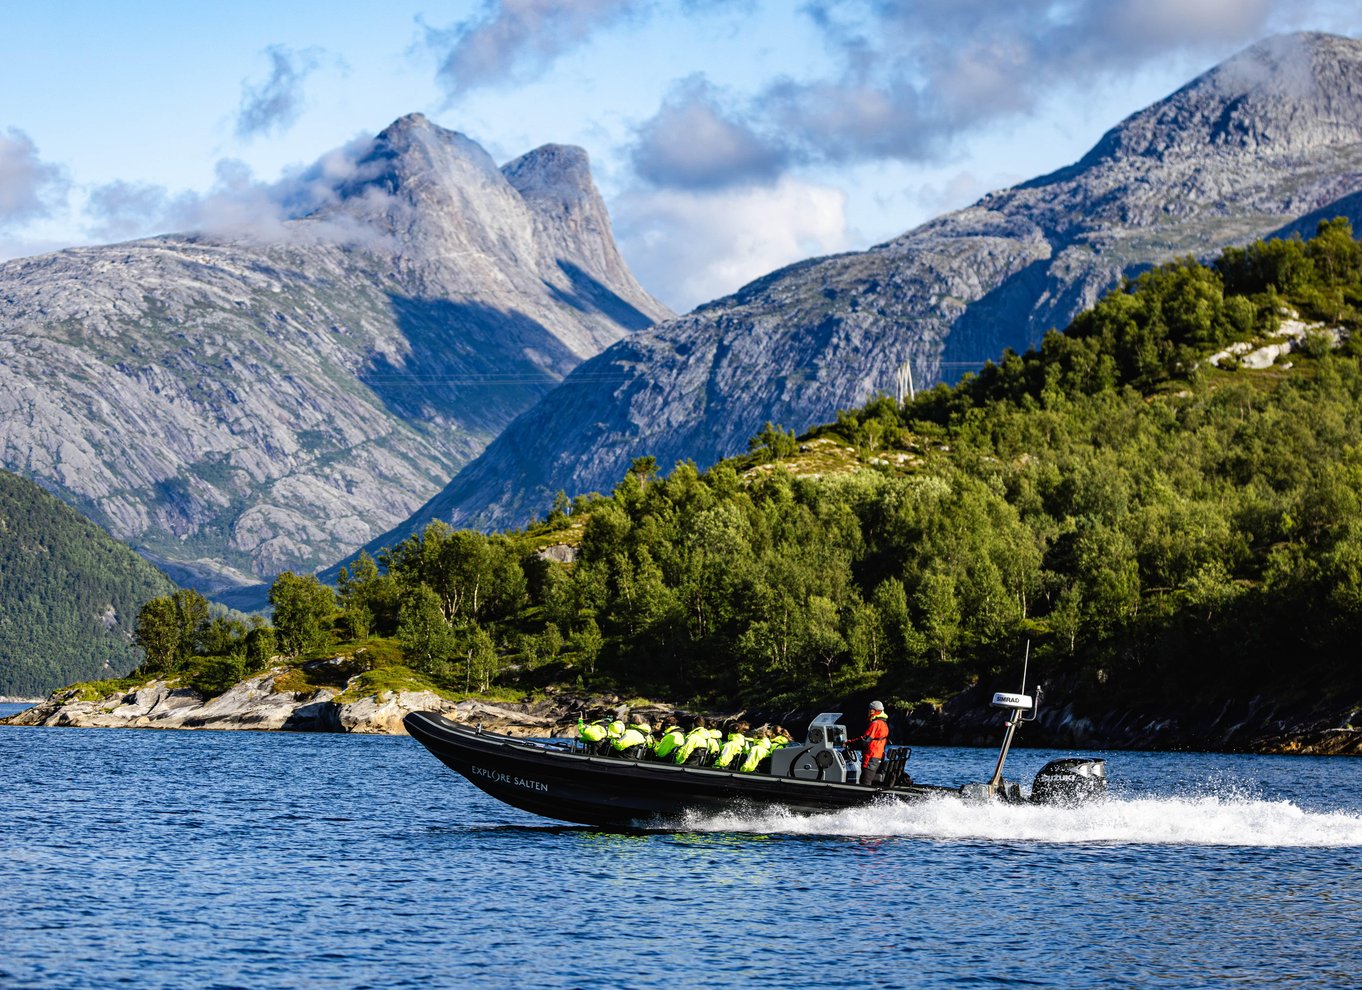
(69, 594)
(1242, 151)
(235, 406)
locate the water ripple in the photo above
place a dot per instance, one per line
(210, 859)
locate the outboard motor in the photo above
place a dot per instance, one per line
(1070, 781)
(820, 757)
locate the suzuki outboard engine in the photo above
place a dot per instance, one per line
(1070, 781)
(820, 756)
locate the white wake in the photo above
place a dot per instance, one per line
(1202, 820)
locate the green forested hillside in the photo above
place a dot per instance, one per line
(1152, 520)
(69, 593)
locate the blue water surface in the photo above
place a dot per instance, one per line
(239, 859)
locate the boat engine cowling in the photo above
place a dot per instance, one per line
(1072, 780)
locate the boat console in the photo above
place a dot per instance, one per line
(820, 756)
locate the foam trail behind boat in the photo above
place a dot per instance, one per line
(1203, 820)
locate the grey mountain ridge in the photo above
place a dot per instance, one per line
(1268, 141)
(239, 404)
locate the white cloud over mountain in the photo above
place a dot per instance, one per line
(29, 186)
(693, 246)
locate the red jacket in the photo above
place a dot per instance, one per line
(876, 734)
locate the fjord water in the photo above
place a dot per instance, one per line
(237, 859)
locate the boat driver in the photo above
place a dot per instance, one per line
(875, 736)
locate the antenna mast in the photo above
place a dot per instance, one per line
(1024, 709)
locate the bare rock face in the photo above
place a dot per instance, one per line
(252, 704)
(235, 406)
(260, 703)
(1270, 136)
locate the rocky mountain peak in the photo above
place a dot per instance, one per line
(1288, 93)
(408, 123)
(555, 183)
(411, 149)
(1274, 130)
(558, 173)
(449, 211)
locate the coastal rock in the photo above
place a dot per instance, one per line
(382, 714)
(253, 704)
(503, 719)
(259, 703)
(156, 700)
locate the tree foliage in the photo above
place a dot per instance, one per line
(1141, 516)
(303, 609)
(69, 594)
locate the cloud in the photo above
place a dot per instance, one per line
(515, 41)
(688, 247)
(122, 210)
(236, 204)
(1135, 32)
(275, 104)
(911, 78)
(239, 205)
(512, 40)
(695, 143)
(29, 187)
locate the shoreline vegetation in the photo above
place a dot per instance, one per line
(1164, 501)
(69, 593)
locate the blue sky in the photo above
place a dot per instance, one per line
(728, 137)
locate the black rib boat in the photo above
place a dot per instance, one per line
(563, 781)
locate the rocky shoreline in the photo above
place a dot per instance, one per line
(260, 703)
(1255, 725)
(1260, 724)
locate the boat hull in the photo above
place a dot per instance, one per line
(617, 793)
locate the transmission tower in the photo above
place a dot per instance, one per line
(904, 377)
